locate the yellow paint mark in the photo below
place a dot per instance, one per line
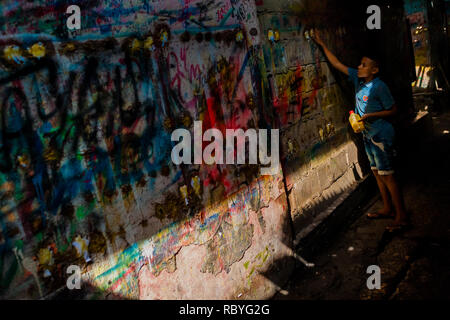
(69, 47)
(37, 50)
(168, 123)
(277, 35)
(148, 43)
(184, 193)
(81, 246)
(195, 182)
(321, 134)
(239, 36)
(51, 154)
(164, 37)
(259, 260)
(44, 256)
(136, 45)
(12, 53)
(23, 161)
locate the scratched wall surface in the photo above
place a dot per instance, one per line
(86, 176)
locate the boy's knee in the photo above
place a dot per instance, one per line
(387, 177)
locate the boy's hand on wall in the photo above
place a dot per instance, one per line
(317, 38)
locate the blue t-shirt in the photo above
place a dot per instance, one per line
(372, 97)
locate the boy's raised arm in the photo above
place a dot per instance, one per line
(330, 56)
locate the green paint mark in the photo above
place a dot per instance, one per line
(265, 257)
(2, 178)
(251, 272)
(19, 244)
(128, 256)
(222, 23)
(39, 236)
(81, 213)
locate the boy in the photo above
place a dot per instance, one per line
(374, 103)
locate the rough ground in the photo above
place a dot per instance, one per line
(414, 263)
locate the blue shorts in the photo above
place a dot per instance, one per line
(380, 151)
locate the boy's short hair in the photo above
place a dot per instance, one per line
(374, 57)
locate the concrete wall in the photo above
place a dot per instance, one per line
(86, 176)
(86, 173)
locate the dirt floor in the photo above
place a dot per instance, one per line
(414, 263)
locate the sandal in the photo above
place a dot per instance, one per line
(377, 216)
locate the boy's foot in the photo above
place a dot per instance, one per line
(399, 226)
(380, 215)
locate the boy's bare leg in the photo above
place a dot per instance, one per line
(397, 198)
(387, 204)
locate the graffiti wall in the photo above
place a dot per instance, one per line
(86, 174)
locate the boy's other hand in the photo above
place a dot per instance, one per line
(365, 117)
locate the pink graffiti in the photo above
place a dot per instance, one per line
(183, 70)
(194, 71)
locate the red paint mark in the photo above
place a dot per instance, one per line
(202, 217)
(239, 119)
(216, 177)
(177, 77)
(119, 280)
(194, 71)
(210, 102)
(282, 105)
(192, 103)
